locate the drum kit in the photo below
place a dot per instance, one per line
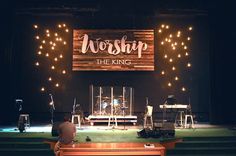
(109, 107)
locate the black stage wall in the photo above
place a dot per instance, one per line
(208, 92)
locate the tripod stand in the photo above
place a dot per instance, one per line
(52, 108)
(123, 110)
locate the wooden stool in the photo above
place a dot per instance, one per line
(112, 119)
(186, 121)
(74, 117)
(25, 119)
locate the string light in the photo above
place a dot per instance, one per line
(183, 89)
(43, 41)
(165, 56)
(162, 25)
(173, 68)
(55, 59)
(159, 31)
(35, 26)
(48, 35)
(63, 72)
(190, 28)
(179, 55)
(169, 84)
(49, 79)
(176, 78)
(53, 67)
(167, 27)
(37, 37)
(47, 31)
(189, 65)
(59, 25)
(188, 38)
(56, 34)
(42, 89)
(61, 56)
(64, 42)
(186, 54)
(67, 30)
(39, 52)
(57, 84)
(37, 63)
(47, 55)
(185, 47)
(40, 47)
(64, 25)
(162, 72)
(170, 60)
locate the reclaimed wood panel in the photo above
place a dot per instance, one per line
(113, 50)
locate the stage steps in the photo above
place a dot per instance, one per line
(204, 146)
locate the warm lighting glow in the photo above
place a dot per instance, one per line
(64, 42)
(55, 59)
(188, 38)
(162, 42)
(54, 44)
(49, 79)
(176, 43)
(167, 27)
(50, 42)
(35, 26)
(39, 52)
(176, 78)
(166, 39)
(173, 48)
(162, 25)
(169, 84)
(189, 65)
(182, 43)
(185, 47)
(42, 89)
(37, 37)
(190, 28)
(48, 35)
(61, 56)
(40, 47)
(57, 84)
(179, 55)
(55, 34)
(165, 56)
(170, 35)
(67, 30)
(47, 31)
(173, 68)
(47, 55)
(64, 25)
(183, 89)
(169, 40)
(186, 54)
(43, 41)
(162, 72)
(37, 63)
(170, 60)
(52, 48)
(159, 31)
(63, 72)
(59, 25)
(53, 67)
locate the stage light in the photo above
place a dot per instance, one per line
(48, 35)
(165, 56)
(169, 84)
(189, 65)
(176, 78)
(55, 34)
(49, 79)
(170, 35)
(39, 52)
(182, 43)
(64, 42)
(43, 41)
(173, 48)
(60, 39)
(162, 72)
(64, 25)
(52, 48)
(64, 72)
(185, 47)
(162, 25)
(57, 84)
(178, 35)
(53, 67)
(188, 38)
(67, 30)
(166, 39)
(179, 55)
(170, 60)
(167, 27)
(37, 63)
(54, 44)
(183, 89)
(190, 28)
(47, 31)
(35, 26)
(37, 37)
(40, 47)
(47, 55)
(55, 59)
(42, 89)
(61, 56)
(176, 43)
(173, 68)
(162, 43)
(159, 31)
(50, 42)
(186, 54)
(59, 25)
(169, 40)
(57, 39)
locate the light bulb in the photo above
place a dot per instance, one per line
(35, 26)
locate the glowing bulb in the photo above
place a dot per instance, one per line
(170, 35)
(60, 39)
(186, 54)
(47, 55)
(64, 25)
(190, 28)
(57, 39)
(162, 25)
(55, 34)
(169, 84)
(173, 48)
(188, 38)
(179, 32)
(63, 72)
(165, 56)
(51, 42)
(49, 79)
(170, 60)
(59, 25)
(52, 67)
(52, 48)
(40, 47)
(183, 89)
(167, 27)
(37, 63)
(42, 89)
(54, 44)
(43, 41)
(176, 78)
(169, 40)
(47, 31)
(179, 55)
(55, 59)
(35, 26)
(64, 42)
(37, 37)
(159, 30)
(173, 68)
(185, 47)
(162, 72)
(61, 56)
(178, 35)
(182, 43)
(189, 65)
(57, 84)
(48, 35)
(39, 52)
(162, 43)
(176, 43)
(67, 30)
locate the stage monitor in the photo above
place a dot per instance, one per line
(113, 50)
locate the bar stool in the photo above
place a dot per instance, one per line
(76, 120)
(112, 119)
(147, 116)
(25, 119)
(179, 119)
(191, 124)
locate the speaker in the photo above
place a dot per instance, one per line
(145, 133)
(55, 128)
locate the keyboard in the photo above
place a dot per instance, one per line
(174, 106)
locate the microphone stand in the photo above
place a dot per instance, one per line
(52, 108)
